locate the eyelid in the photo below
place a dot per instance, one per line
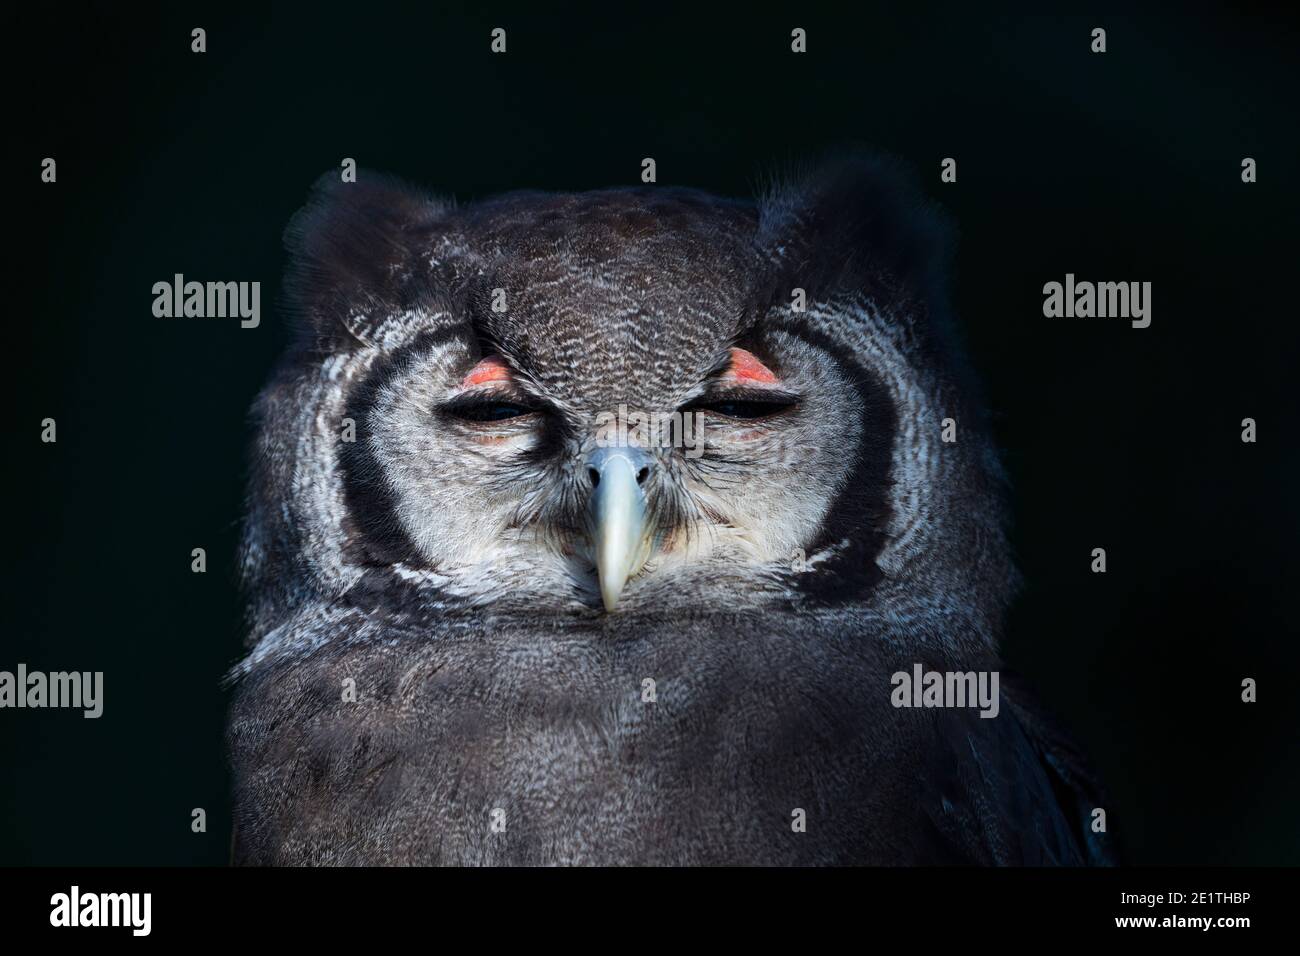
(491, 369)
(767, 396)
(747, 367)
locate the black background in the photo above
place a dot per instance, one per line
(1122, 166)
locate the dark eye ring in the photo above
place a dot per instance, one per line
(488, 410)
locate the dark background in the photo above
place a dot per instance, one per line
(1122, 166)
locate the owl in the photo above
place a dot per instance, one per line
(600, 528)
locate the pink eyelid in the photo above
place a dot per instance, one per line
(491, 369)
(745, 367)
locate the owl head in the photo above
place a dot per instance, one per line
(625, 402)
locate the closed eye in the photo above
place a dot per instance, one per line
(745, 404)
(488, 410)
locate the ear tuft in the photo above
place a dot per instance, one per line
(352, 252)
(857, 223)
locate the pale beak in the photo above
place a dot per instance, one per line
(619, 536)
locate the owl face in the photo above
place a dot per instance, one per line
(508, 473)
(622, 402)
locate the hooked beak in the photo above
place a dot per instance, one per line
(619, 536)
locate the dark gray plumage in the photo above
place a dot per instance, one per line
(448, 564)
